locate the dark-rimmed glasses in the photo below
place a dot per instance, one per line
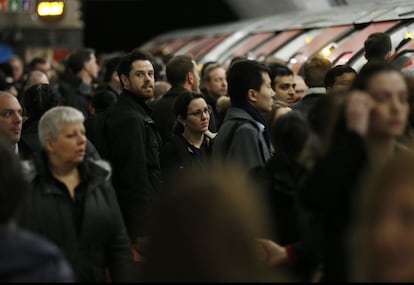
(200, 112)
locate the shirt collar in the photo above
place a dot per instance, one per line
(315, 90)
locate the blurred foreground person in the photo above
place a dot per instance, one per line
(205, 229)
(383, 248)
(24, 256)
(363, 138)
(73, 204)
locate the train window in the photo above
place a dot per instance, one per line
(207, 47)
(244, 46)
(269, 46)
(169, 46)
(404, 59)
(286, 52)
(403, 31)
(343, 58)
(399, 36)
(358, 62)
(329, 34)
(355, 43)
(198, 45)
(193, 43)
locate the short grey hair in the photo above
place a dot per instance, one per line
(52, 120)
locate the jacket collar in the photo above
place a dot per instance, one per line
(95, 171)
(240, 114)
(315, 90)
(135, 101)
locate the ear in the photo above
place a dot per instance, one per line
(388, 56)
(85, 65)
(125, 80)
(252, 96)
(50, 145)
(190, 78)
(365, 55)
(181, 120)
(115, 76)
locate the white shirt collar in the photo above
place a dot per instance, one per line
(315, 90)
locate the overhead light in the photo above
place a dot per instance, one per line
(50, 8)
(326, 51)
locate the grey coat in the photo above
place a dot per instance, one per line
(240, 140)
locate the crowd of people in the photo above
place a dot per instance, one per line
(142, 168)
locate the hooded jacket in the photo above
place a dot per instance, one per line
(95, 242)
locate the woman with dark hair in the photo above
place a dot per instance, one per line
(364, 137)
(36, 100)
(373, 117)
(189, 146)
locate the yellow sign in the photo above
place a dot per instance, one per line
(50, 8)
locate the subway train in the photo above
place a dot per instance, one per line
(337, 33)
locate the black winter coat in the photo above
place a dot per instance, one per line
(163, 112)
(96, 244)
(178, 154)
(134, 148)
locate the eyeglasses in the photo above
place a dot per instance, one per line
(199, 113)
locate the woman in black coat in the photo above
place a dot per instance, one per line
(189, 146)
(73, 204)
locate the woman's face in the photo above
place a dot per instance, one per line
(198, 116)
(389, 116)
(392, 235)
(70, 144)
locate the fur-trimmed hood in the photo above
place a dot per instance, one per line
(36, 166)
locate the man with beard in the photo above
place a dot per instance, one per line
(134, 143)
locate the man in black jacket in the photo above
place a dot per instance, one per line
(134, 143)
(76, 83)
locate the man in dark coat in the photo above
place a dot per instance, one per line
(315, 70)
(76, 83)
(134, 144)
